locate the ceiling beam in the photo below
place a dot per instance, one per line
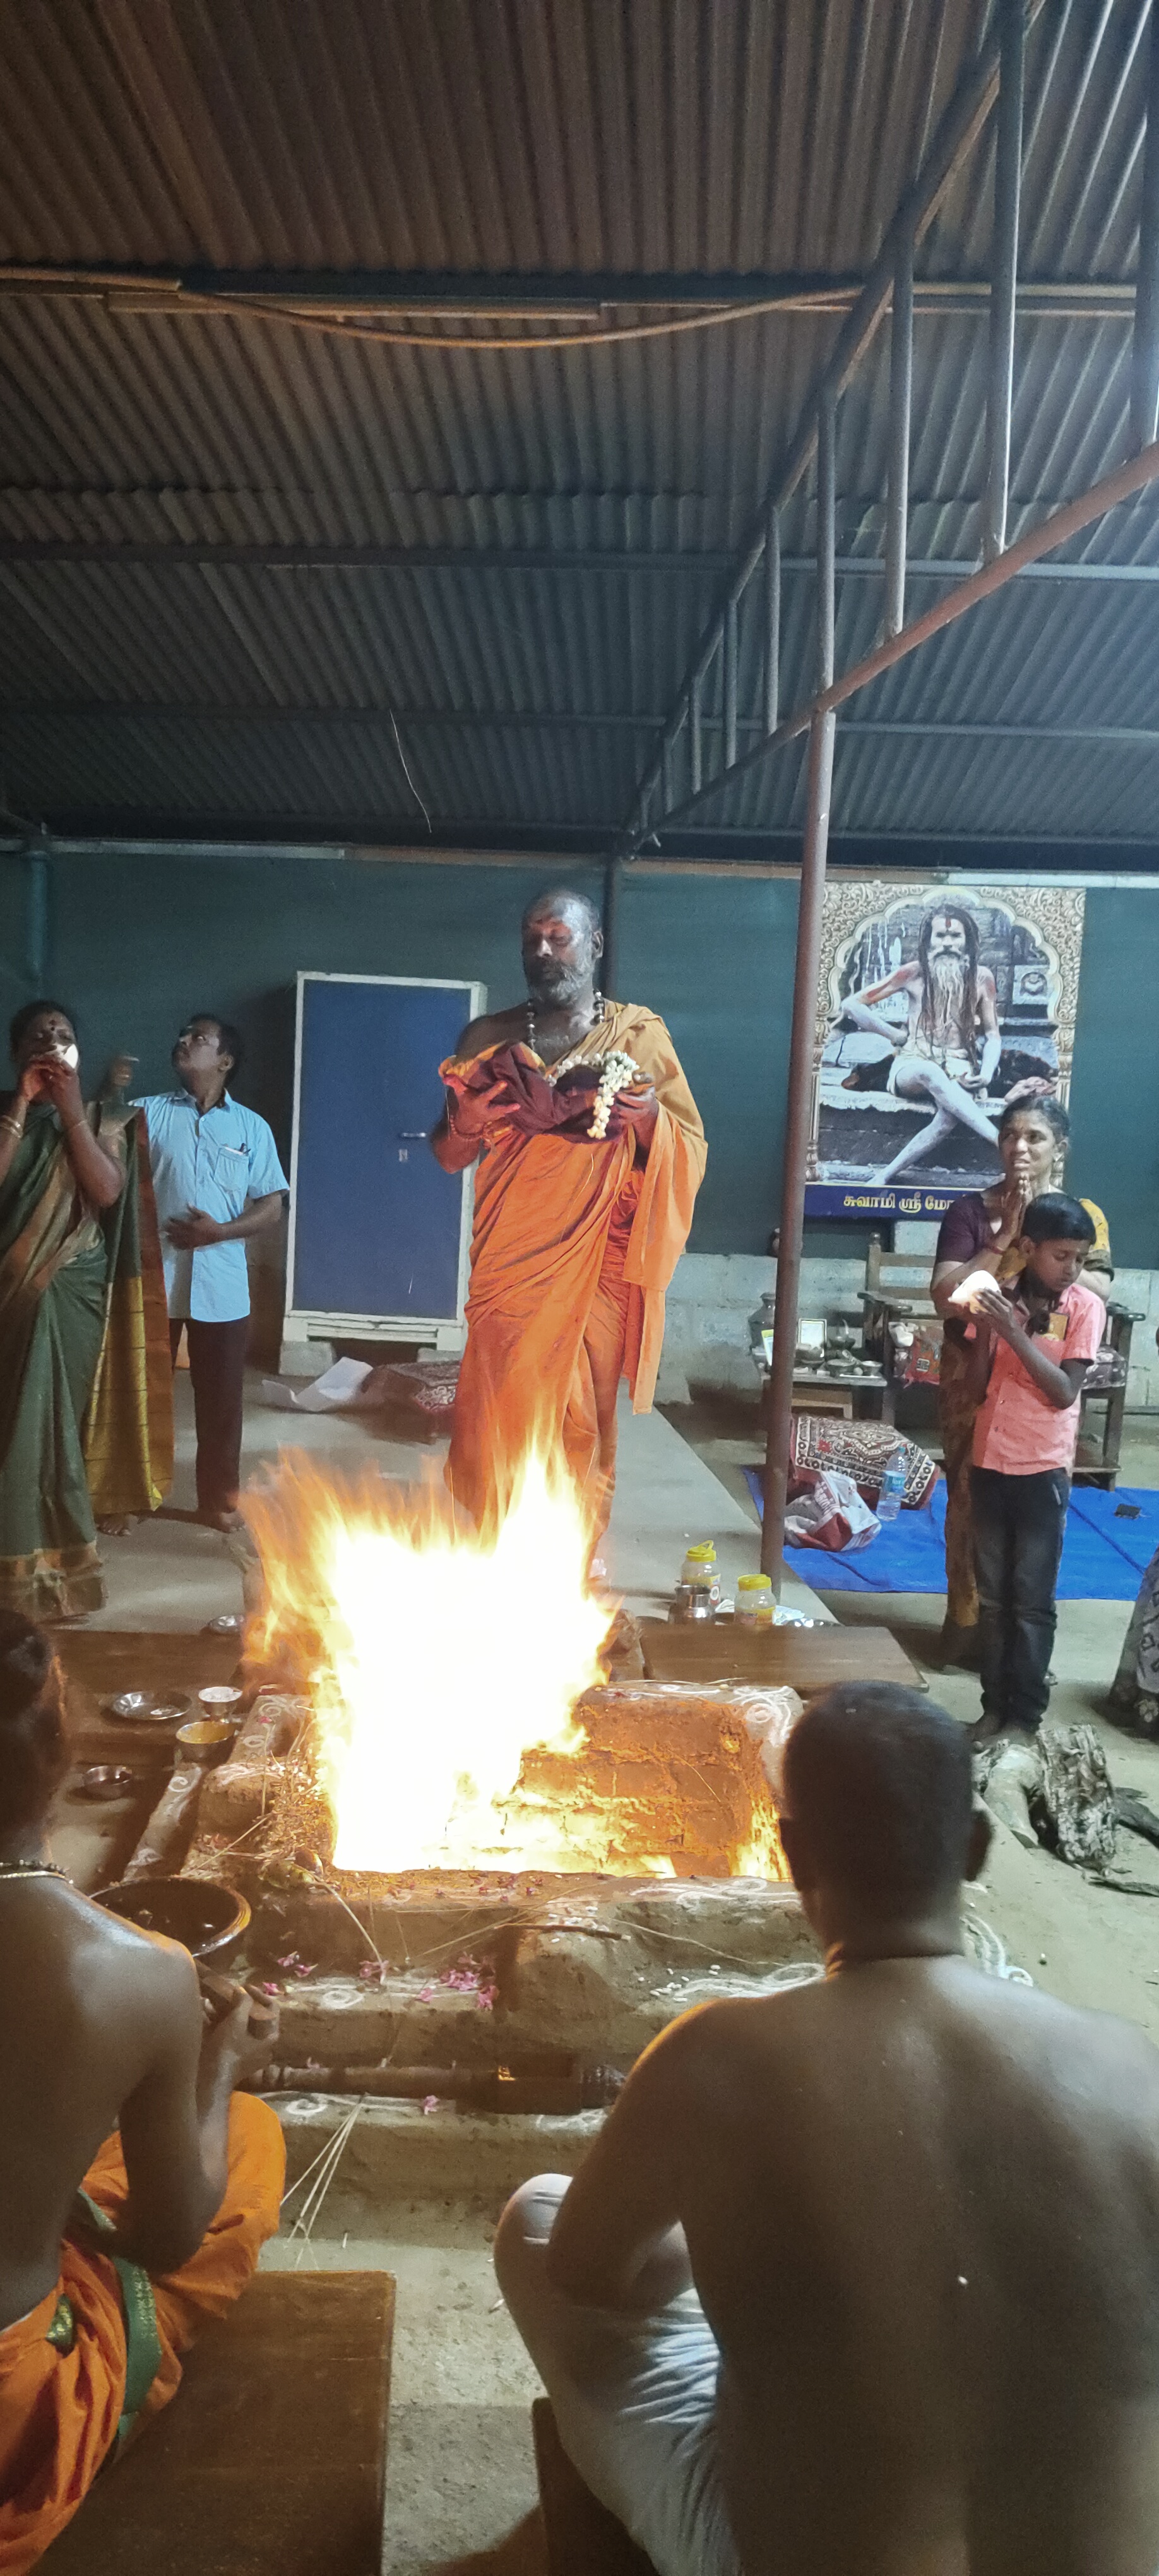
(542, 294)
(553, 719)
(963, 120)
(258, 557)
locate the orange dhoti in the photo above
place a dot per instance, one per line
(574, 1245)
(60, 2409)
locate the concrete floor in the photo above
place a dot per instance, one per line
(169, 1573)
(461, 2486)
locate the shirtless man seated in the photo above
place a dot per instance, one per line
(920, 2208)
(102, 2025)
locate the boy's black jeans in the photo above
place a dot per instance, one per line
(1018, 1527)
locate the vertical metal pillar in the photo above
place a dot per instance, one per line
(1004, 276)
(695, 737)
(731, 616)
(1145, 352)
(901, 376)
(613, 885)
(798, 1113)
(826, 539)
(772, 621)
(667, 778)
(37, 920)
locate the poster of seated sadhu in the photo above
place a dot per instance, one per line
(937, 1006)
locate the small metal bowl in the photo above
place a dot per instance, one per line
(219, 1699)
(104, 1780)
(132, 1704)
(207, 1739)
(230, 1624)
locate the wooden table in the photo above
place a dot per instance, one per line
(100, 1662)
(809, 1659)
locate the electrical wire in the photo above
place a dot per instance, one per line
(342, 329)
(406, 773)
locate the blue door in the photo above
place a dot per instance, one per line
(376, 1223)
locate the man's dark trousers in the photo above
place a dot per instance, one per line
(1018, 1530)
(217, 1369)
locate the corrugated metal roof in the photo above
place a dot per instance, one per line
(562, 136)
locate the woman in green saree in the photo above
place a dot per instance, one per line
(85, 1428)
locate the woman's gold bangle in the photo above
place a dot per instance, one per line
(15, 1126)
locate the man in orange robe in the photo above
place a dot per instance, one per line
(576, 1237)
(111, 2256)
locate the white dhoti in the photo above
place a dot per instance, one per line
(634, 2396)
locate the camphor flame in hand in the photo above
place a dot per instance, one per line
(438, 1659)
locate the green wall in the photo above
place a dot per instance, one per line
(137, 941)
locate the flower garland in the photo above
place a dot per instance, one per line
(618, 1072)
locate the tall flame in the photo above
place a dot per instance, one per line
(436, 1660)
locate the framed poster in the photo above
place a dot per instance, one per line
(935, 1008)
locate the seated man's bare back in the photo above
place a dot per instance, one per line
(921, 2210)
(102, 2029)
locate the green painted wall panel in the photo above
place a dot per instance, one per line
(1114, 1156)
(137, 942)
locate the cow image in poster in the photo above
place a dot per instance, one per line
(949, 1051)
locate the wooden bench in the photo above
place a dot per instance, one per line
(271, 2459)
(583, 2538)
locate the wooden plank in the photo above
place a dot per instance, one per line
(583, 2538)
(271, 2459)
(810, 1659)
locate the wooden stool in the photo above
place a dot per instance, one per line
(271, 2459)
(583, 2538)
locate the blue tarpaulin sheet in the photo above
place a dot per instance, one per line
(1104, 1552)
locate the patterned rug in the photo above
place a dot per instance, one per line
(861, 1450)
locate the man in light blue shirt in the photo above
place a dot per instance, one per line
(216, 1180)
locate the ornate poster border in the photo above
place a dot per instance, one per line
(1056, 913)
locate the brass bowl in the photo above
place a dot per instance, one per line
(209, 1918)
(207, 1739)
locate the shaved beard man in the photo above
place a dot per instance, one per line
(576, 1236)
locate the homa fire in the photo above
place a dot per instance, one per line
(456, 1713)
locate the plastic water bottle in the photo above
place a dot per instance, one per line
(889, 1500)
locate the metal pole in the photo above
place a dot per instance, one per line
(1054, 531)
(798, 1118)
(901, 376)
(1145, 353)
(826, 538)
(613, 885)
(957, 132)
(772, 621)
(37, 919)
(730, 661)
(1007, 192)
(695, 740)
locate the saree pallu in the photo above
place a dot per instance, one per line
(85, 1415)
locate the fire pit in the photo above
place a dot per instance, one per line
(464, 1843)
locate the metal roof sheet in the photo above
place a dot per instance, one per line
(556, 136)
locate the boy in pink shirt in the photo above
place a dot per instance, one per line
(1032, 1349)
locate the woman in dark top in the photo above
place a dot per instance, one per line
(981, 1232)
